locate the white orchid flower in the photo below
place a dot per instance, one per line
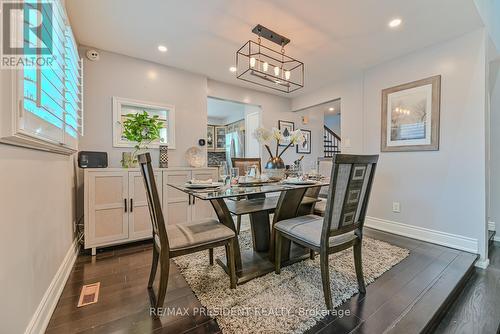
(297, 137)
(278, 135)
(263, 135)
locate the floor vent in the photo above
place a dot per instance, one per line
(89, 294)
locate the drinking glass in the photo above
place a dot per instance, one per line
(235, 174)
(223, 171)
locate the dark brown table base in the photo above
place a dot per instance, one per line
(256, 264)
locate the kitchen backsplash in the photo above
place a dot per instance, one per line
(215, 158)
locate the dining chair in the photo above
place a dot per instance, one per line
(342, 226)
(325, 170)
(170, 241)
(242, 164)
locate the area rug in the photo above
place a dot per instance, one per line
(290, 302)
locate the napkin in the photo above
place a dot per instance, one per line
(194, 181)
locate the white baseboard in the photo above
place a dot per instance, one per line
(483, 264)
(40, 319)
(424, 234)
(492, 226)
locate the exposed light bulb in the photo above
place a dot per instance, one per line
(287, 75)
(276, 71)
(265, 66)
(233, 69)
(252, 62)
(162, 48)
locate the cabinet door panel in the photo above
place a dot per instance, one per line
(107, 217)
(203, 209)
(139, 218)
(176, 208)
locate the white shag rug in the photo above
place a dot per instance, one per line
(290, 302)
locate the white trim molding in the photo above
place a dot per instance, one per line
(492, 226)
(424, 234)
(482, 263)
(41, 317)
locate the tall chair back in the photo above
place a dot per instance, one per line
(159, 230)
(350, 185)
(243, 163)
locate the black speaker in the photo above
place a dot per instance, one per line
(88, 159)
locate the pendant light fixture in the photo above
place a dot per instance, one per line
(266, 67)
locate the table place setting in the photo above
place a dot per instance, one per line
(202, 184)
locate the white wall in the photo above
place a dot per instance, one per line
(333, 123)
(351, 93)
(274, 108)
(495, 141)
(442, 190)
(36, 228)
(117, 75)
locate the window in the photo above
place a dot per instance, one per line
(52, 95)
(166, 113)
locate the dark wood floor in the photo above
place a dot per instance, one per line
(477, 309)
(402, 300)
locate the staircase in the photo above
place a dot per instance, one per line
(331, 142)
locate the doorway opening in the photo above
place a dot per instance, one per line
(230, 128)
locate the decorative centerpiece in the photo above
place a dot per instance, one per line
(195, 157)
(142, 129)
(275, 167)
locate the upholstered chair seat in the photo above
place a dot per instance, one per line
(308, 229)
(196, 234)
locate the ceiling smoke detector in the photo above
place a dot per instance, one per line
(92, 55)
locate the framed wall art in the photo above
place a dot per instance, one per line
(410, 116)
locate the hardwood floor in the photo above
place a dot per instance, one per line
(404, 299)
(477, 309)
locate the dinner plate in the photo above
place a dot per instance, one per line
(202, 185)
(300, 182)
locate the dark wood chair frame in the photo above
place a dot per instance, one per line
(258, 162)
(162, 252)
(324, 250)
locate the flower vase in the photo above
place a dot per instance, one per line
(163, 156)
(275, 168)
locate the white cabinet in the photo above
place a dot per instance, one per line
(176, 204)
(178, 207)
(106, 208)
(202, 209)
(116, 207)
(139, 221)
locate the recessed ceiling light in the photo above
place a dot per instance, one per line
(233, 69)
(331, 109)
(162, 48)
(395, 22)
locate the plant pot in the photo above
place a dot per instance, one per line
(275, 168)
(127, 160)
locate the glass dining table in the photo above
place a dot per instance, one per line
(255, 201)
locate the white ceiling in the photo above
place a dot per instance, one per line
(334, 38)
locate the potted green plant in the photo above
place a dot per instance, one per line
(142, 129)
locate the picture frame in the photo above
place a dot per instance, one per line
(305, 147)
(286, 127)
(410, 116)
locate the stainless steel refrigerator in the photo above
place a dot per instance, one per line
(235, 145)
